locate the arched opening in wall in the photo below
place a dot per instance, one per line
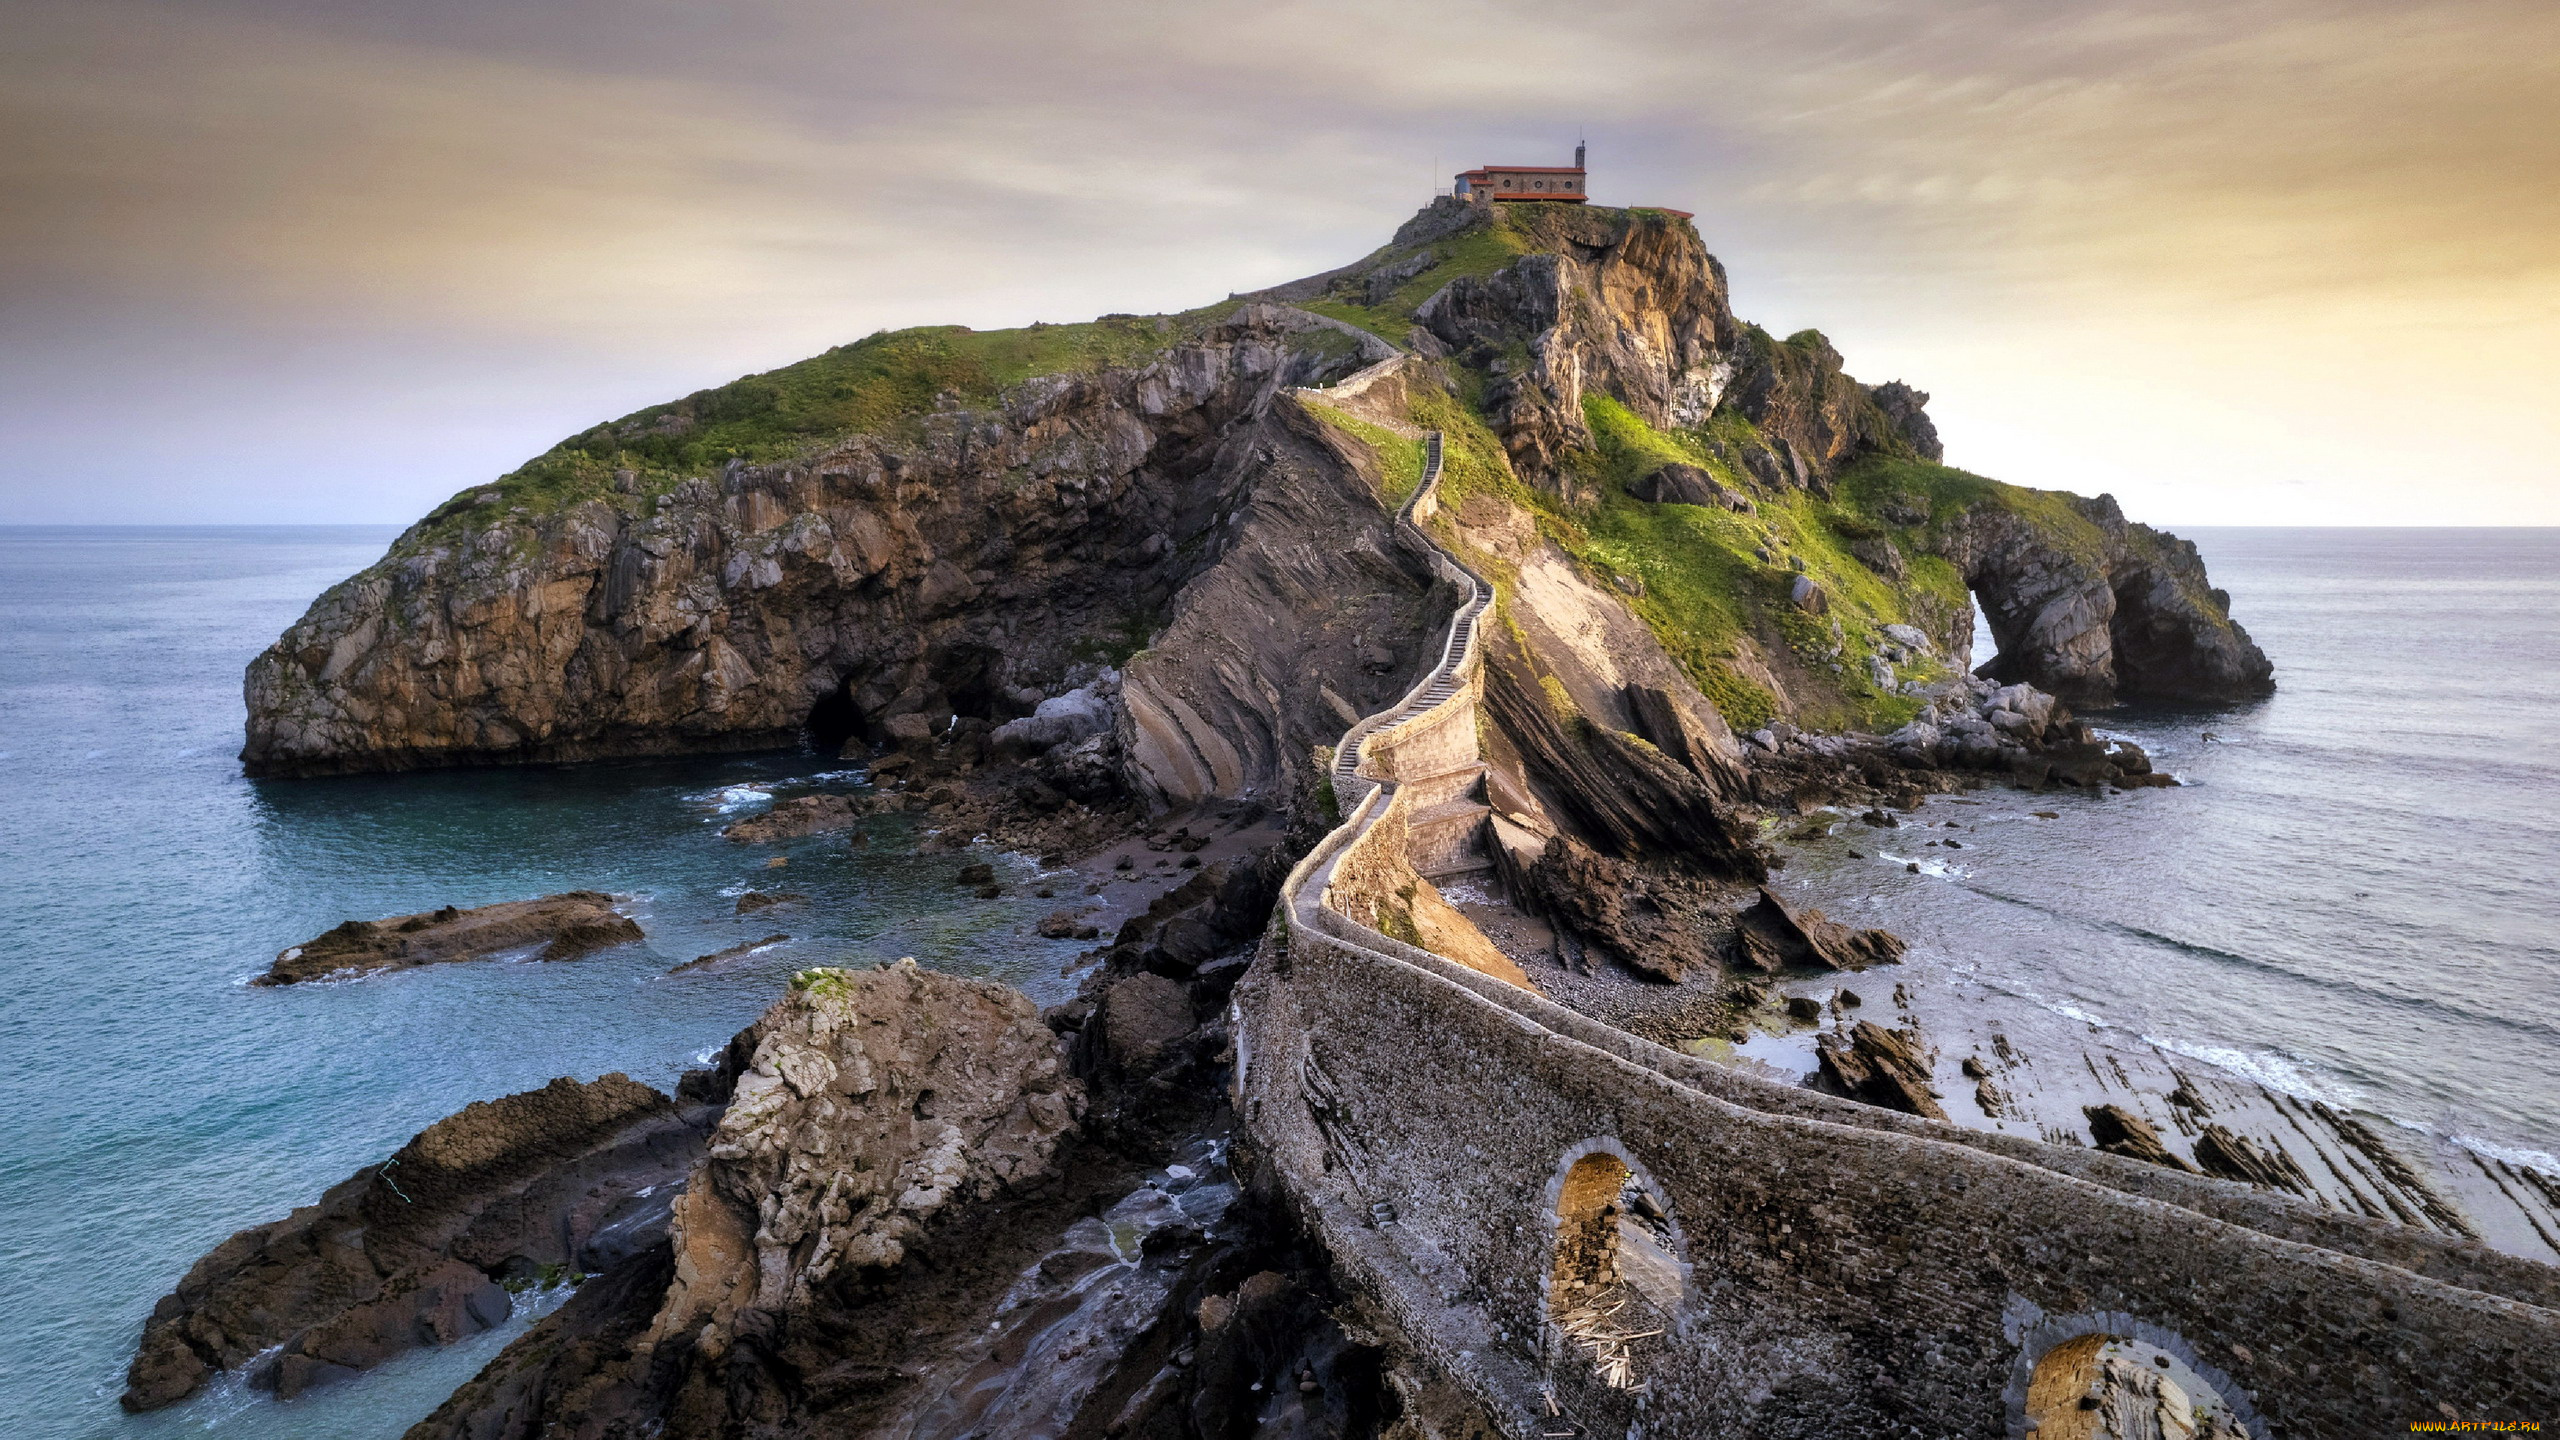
(1616, 1282)
(2108, 1387)
(834, 720)
(1986, 646)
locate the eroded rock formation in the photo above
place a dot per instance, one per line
(869, 1101)
(565, 926)
(937, 567)
(1768, 937)
(415, 1249)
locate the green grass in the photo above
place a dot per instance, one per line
(1400, 460)
(883, 384)
(1876, 484)
(1706, 590)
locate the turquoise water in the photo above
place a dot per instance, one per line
(151, 1103)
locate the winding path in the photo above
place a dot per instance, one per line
(1842, 1268)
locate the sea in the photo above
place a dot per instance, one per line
(2354, 896)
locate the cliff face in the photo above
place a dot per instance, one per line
(960, 560)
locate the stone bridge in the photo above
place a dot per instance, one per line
(1582, 1233)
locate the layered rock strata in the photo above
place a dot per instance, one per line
(933, 569)
(564, 926)
(571, 1177)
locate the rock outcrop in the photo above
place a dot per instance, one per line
(566, 926)
(2103, 610)
(1645, 923)
(1768, 937)
(939, 563)
(1881, 1066)
(793, 818)
(869, 1100)
(571, 1177)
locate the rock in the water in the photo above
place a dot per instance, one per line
(1769, 937)
(803, 815)
(1882, 1067)
(755, 900)
(1067, 925)
(734, 952)
(414, 1250)
(869, 1101)
(2119, 1131)
(565, 926)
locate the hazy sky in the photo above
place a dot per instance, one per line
(2238, 261)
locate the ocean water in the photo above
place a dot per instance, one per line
(151, 1102)
(2354, 896)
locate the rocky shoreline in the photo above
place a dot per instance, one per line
(1118, 619)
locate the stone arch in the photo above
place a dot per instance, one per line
(1615, 1276)
(2110, 1376)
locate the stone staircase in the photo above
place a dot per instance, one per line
(1458, 652)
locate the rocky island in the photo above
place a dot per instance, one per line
(1458, 634)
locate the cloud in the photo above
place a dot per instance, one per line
(2266, 218)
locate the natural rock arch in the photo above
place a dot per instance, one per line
(1616, 1281)
(2088, 606)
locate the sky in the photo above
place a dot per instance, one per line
(2234, 261)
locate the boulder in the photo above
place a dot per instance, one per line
(867, 1102)
(1807, 596)
(1679, 484)
(803, 815)
(1768, 937)
(1059, 720)
(566, 926)
(1881, 1067)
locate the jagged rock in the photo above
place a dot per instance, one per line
(734, 952)
(1608, 905)
(2227, 1155)
(1679, 484)
(412, 1251)
(566, 926)
(1622, 798)
(868, 1101)
(755, 900)
(1768, 937)
(1907, 410)
(803, 815)
(2119, 1131)
(1882, 1067)
(1807, 596)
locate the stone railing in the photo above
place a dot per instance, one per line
(1842, 1269)
(1452, 677)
